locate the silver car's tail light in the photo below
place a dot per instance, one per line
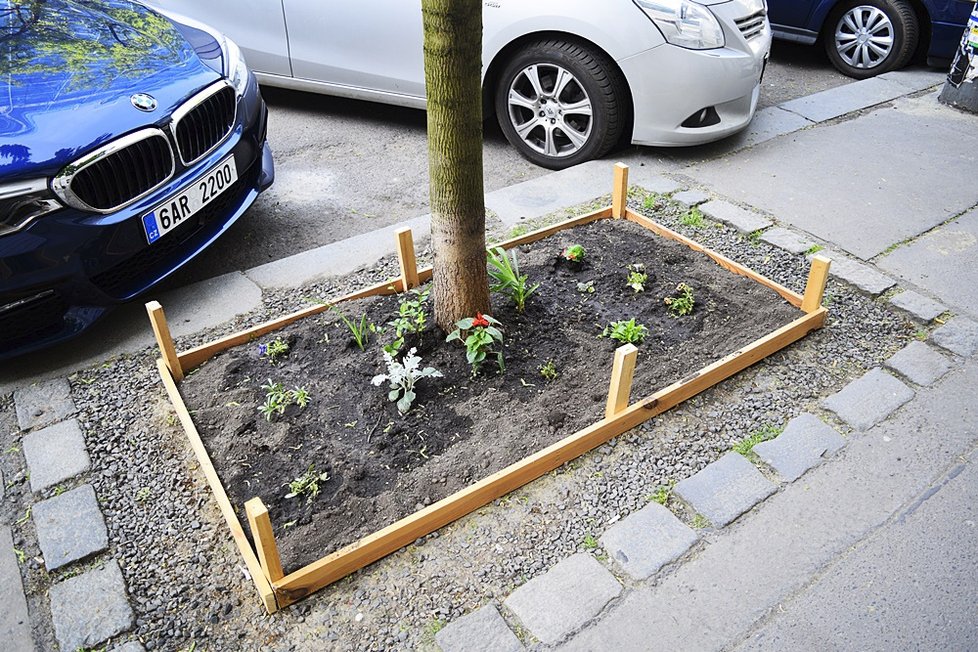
(204, 121)
(117, 174)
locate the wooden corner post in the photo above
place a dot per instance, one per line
(621, 380)
(162, 332)
(818, 276)
(406, 256)
(265, 546)
(619, 193)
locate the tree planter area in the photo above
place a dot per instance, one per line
(388, 479)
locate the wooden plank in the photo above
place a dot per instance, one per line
(818, 276)
(264, 538)
(622, 372)
(541, 233)
(375, 546)
(619, 191)
(244, 546)
(163, 339)
(790, 296)
(406, 258)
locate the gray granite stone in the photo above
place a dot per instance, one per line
(841, 100)
(725, 489)
(919, 363)
(15, 625)
(917, 305)
(483, 630)
(788, 240)
(43, 403)
(70, 527)
(90, 608)
(661, 185)
(959, 335)
(129, 646)
(805, 442)
(863, 277)
(647, 540)
(55, 453)
(743, 220)
(691, 197)
(560, 601)
(869, 399)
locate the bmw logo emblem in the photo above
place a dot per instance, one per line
(143, 102)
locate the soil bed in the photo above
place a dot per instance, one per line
(383, 466)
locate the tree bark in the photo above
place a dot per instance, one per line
(453, 81)
(961, 88)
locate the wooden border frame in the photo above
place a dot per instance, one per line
(278, 590)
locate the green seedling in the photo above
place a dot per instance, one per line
(693, 217)
(143, 494)
(746, 445)
(626, 332)
(411, 318)
(274, 350)
(480, 335)
(682, 302)
(504, 268)
(277, 399)
(637, 278)
(360, 330)
(549, 371)
(589, 543)
(814, 249)
(307, 484)
(574, 253)
(586, 287)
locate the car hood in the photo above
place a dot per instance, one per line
(68, 69)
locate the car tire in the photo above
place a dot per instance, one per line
(865, 38)
(559, 126)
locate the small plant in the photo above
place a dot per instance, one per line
(746, 445)
(693, 217)
(754, 237)
(307, 484)
(480, 334)
(586, 288)
(814, 249)
(626, 332)
(700, 522)
(682, 302)
(574, 253)
(277, 398)
(402, 377)
(662, 493)
(637, 278)
(920, 335)
(589, 543)
(505, 271)
(21, 555)
(274, 350)
(143, 494)
(360, 330)
(651, 201)
(411, 318)
(549, 371)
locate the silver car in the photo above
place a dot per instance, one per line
(566, 79)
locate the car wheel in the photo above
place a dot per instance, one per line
(864, 38)
(560, 103)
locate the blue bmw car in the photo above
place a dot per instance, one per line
(129, 141)
(864, 38)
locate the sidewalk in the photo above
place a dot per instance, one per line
(853, 529)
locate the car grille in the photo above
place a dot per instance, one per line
(31, 318)
(200, 129)
(127, 173)
(751, 26)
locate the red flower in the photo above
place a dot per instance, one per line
(480, 320)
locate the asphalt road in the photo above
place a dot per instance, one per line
(345, 167)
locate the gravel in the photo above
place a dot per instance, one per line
(187, 580)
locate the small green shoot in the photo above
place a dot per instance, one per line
(754, 237)
(277, 399)
(574, 253)
(480, 335)
(746, 445)
(652, 201)
(920, 335)
(586, 287)
(814, 249)
(274, 350)
(26, 517)
(504, 268)
(359, 330)
(60, 489)
(626, 332)
(549, 371)
(693, 217)
(307, 484)
(662, 493)
(682, 302)
(589, 543)
(700, 522)
(637, 278)
(143, 494)
(21, 555)
(411, 318)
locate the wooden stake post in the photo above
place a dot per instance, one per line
(263, 561)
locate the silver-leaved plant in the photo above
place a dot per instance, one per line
(403, 376)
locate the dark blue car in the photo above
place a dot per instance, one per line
(864, 38)
(129, 141)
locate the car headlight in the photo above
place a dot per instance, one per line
(684, 23)
(23, 202)
(237, 69)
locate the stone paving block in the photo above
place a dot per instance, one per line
(129, 646)
(770, 123)
(841, 100)
(862, 277)
(959, 335)
(743, 220)
(90, 608)
(917, 305)
(725, 489)
(70, 527)
(483, 630)
(691, 197)
(560, 601)
(15, 625)
(661, 185)
(3, 486)
(55, 453)
(805, 442)
(647, 540)
(788, 240)
(869, 399)
(43, 404)
(919, 363)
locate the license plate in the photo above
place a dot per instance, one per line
(177, 210)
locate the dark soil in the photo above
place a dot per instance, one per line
(383, 466)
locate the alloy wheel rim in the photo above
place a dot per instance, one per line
(550, 110)
(864, 37)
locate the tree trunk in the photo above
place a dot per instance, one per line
(961, 88)
(453, 80)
